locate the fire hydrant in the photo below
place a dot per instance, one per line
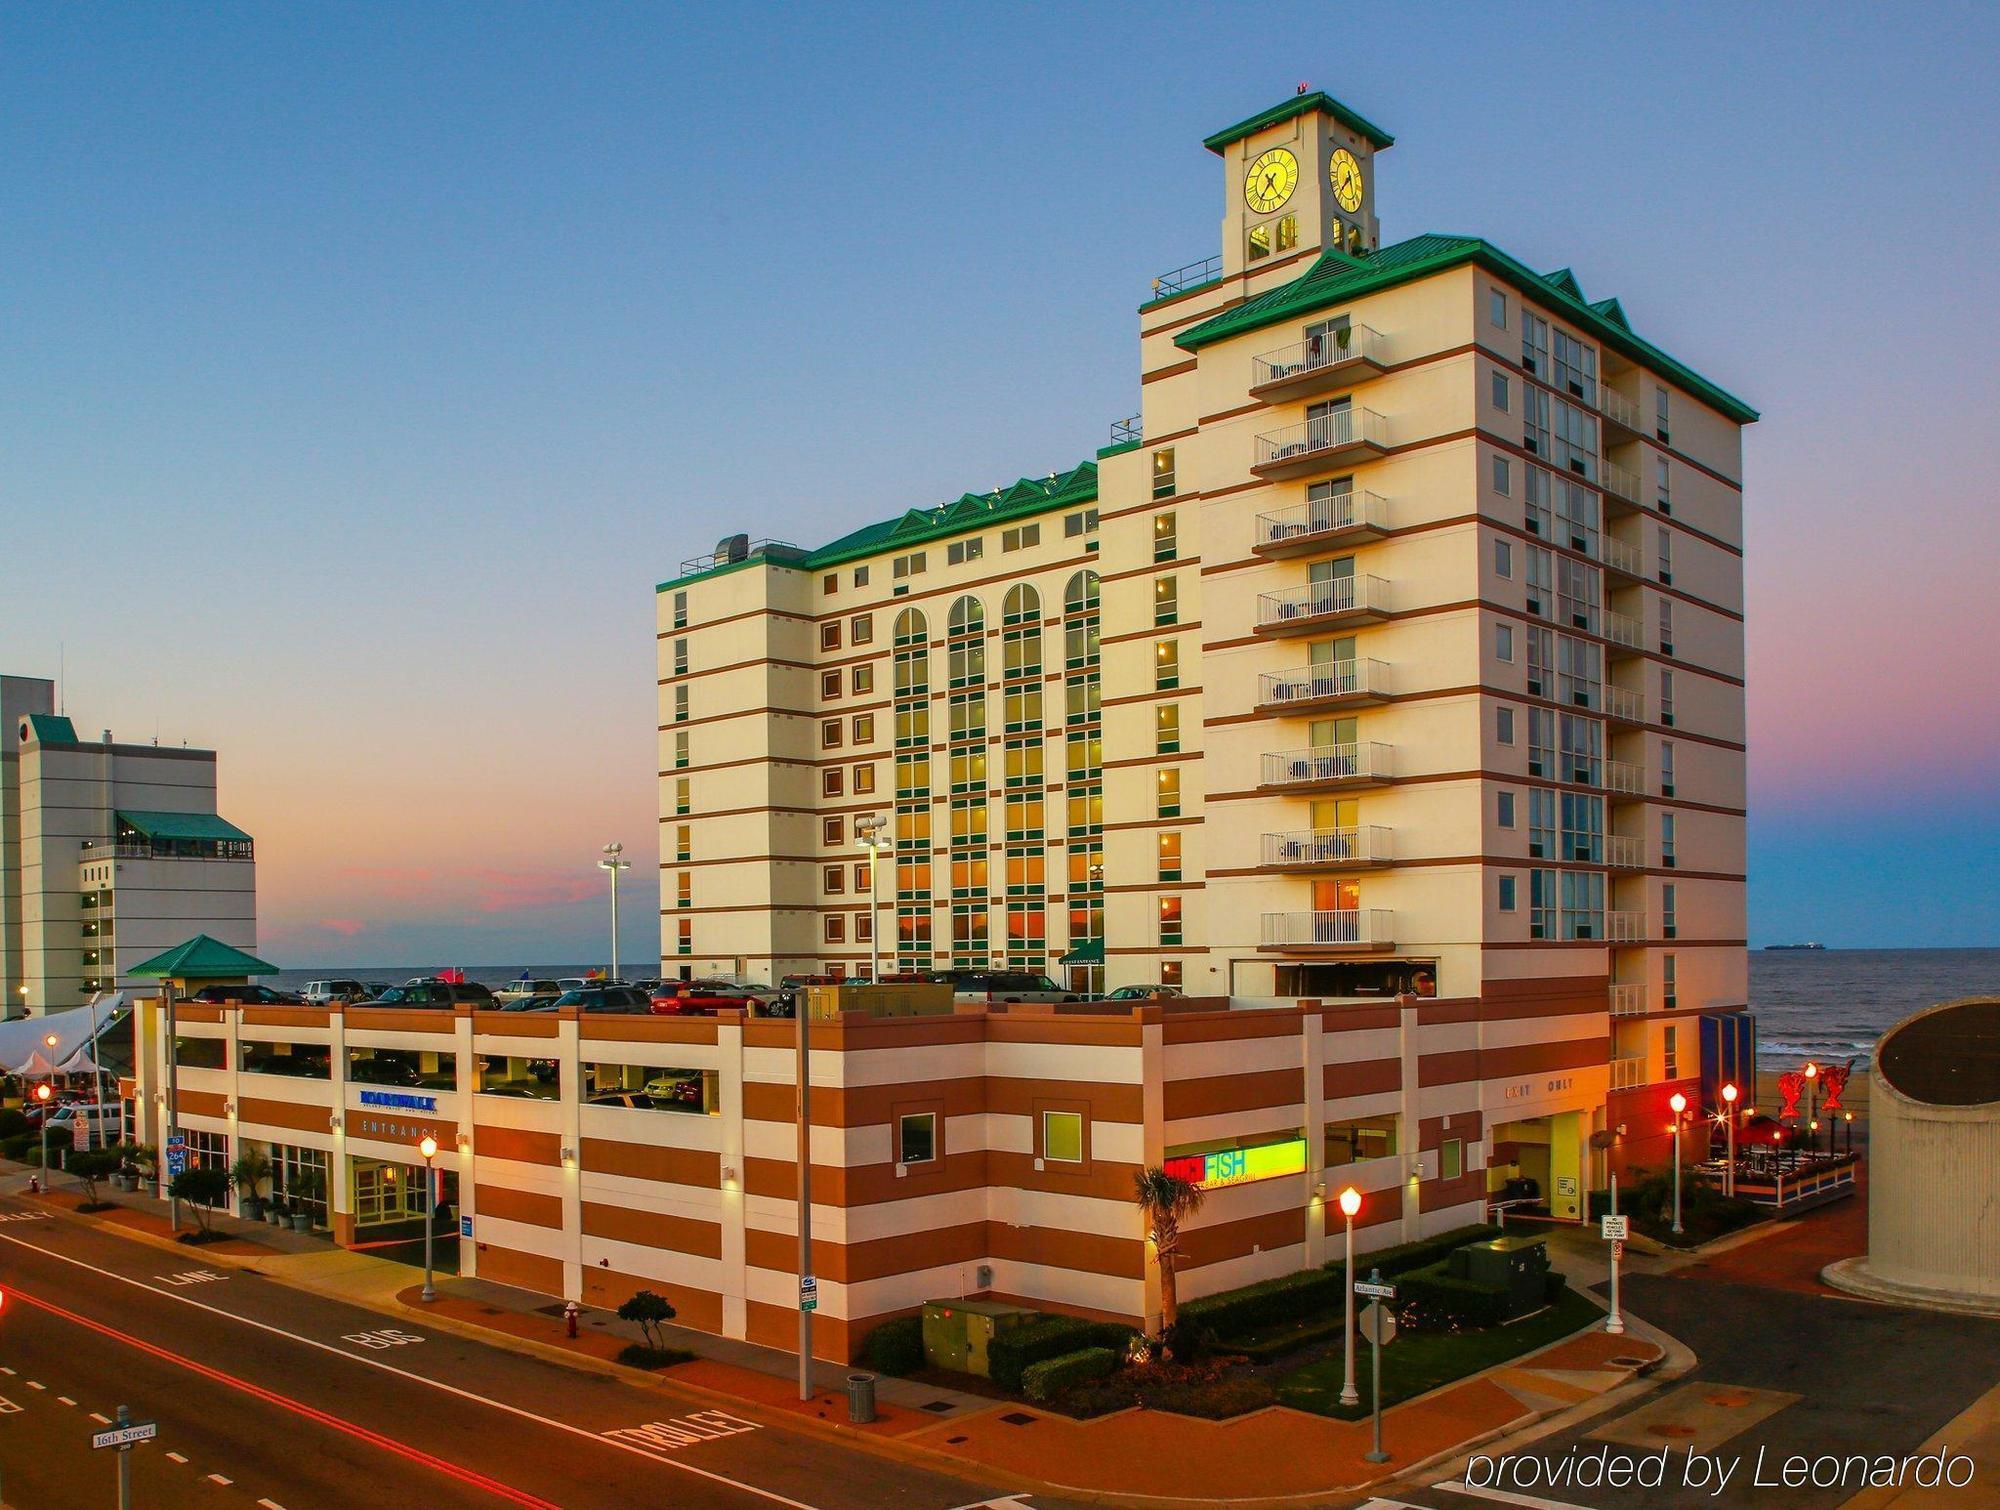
(34, 1184)
(570, 1313)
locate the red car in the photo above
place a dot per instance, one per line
(695, 998)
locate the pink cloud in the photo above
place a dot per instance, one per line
(514, 890)
(345, 927)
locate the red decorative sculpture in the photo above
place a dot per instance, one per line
(1833, 1080)
(1791, 1085)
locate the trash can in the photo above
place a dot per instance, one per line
(860, 1398)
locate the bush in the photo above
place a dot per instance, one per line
(1554, 1283)
(1050, 1377)
(1207, 1390)
(203, 1187)
(1420, 1254)
(20, 1147)
(13, 1122)
(1267, 1343)
(1265, 1303)
(1009, 1353)
(650, 1312)
(895, 1347)
(1431, 1300)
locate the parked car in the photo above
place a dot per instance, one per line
(250, 996)
(524, 989)
(697, 998)
(1142, 993)
(680, 1090)
(605, 999)
(320, 992)
(434, 993)
(540, 1002)
(637, 1100)
(106, 1122)
(384, 1071)
(978, 988)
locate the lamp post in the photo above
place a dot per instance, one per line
(1729, 1094)
(429, 1148)
(42, 1094)
(1848, 1118)
(614, 864)
(1812, 1100)
(869, 831)
(1679, 1103)
(1350, 1207)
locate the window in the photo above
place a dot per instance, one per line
(681, 751)
(1536, 434)
(684, 936)
(1260, 242)
(1575, 439)
(833, 880)
(1079, 524)
(1360, 1138)
(1168, 785)
(680, 705)
(1670, 1052)
(1666, 768)
(683, 842)
(829, 684)
(1496, 308)
(861, 679)
(1166, 601)
(863, 878)
(1576, 368)
(1666, 555)
(1666, 627)
(864, 728)
(680, 610)
(829, 635)
(1661, 476)
(1667, 709)
(1166, 665)
(1505, 813)
(1503, 482)
(1503, 641)
(1062, 1137)
(1451, 1158)
(1023, 538)
(1166, 537)
(1500, 391)
(1170, 856)
(682, 805)
(1507, 894)
(1541, 823)
(684, 889)
(680, 657)
(829, 584)
(833, 831)
(1660, 417)
(1535, 344)
(835, 927)
(1503, 725)
(860, 576)
(1667, 857)
(1170, 972)
(1170, 921)
(961, 551)
(1669, 992)
(829, 734)
(831, 782)
(916, 1138)
(864, 928)
(908, 566)
(1541, 742)
(1503, 558)
(1167, 729)
(1541, 904)
(864, 780)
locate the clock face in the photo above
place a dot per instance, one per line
(1270, 181)
(1344, 173)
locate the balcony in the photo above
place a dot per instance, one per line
(1627, 1000)
(1350, 518)
(1319, 364)
(1620, 482)
(1129, 431)
(1321, 444)
(1624, 851)
(1182, 279)
(1329, 767)
(1624, 776)
(1621, 629)
(1624, 706)
(1628, 1074)
(1352, 930)
(1618, 556)
(1322, 605)
(1360, 848)
(1624, 927)
(1332, 684)
(1621, 415)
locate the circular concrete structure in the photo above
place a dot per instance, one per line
(1934, 1162)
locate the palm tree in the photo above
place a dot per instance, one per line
(1167, 1200)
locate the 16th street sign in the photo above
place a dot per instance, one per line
(125, 1436)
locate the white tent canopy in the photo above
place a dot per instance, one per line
(24, 1046)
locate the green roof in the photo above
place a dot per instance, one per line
(52, 729)
(1300, 105)
(182, 825)
(202, 958)
(913, 527)
(1336, 278)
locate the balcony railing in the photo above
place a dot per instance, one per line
(1354, 512)
(1624, 927)
(1325, 765)
(1621, 481)
(1364, 845)
(1337, 597)
(1624, 851)
(1624, 704)
(1327, 681)
(167, 849)
(1130, 431)
(1619, 556)
(1181, 279)
(1627, 1074)
(1627, 1000)
(1317, 354)
(1624, 776)
(1621, 628)
(1349, 928)
(1326, 435)
(1617, 408)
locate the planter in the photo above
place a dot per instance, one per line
(251, 1209)
(129, 1183)
(275, 1215)
(302, 1221)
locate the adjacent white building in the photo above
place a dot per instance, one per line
(109, 854)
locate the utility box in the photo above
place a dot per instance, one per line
(921, 998)
(1517, 1265)
(957, 1332)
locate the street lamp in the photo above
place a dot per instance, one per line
(1350, 1207)
(429, 1148)
(1848, 1117)
(869, 831)
(1729, 1094)
(42, 1094)
(614, 864)
(1680, 1104)
(1812, 1093)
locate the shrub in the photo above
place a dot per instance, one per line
(1420, 1254)
(1266, 1303)
(20, 1147)
(1208, 1390)
(1009, 1353)
(203, 1187)
(93, 1165)
(650, 1312)
(1050, 1377)
(1554, 1283)
(1275, 1342)
(895, 1347)
(1431, 1300)
(13, 1122)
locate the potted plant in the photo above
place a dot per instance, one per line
(141, 1159)
(310, 1188)
(276, 1212)
(251, 1169)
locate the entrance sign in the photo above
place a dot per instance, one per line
(1239, 1166)
(125, 1436)
(400, 1100)
(1615, 1228)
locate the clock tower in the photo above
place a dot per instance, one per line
(1301, 178)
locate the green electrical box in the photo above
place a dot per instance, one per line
(956, 1332)
(1518, 1265)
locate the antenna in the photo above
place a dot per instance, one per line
(62, 677)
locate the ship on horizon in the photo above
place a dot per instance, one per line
(1771, 947)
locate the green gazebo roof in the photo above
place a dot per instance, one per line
(203, 958)
(182, 825)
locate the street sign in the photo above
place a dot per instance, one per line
(1617, 1249)
(465, 1226)
(808, 1293)
(1377, 1325)
(125, 1436)
(177, 1157)
(1615, 1228)
(1378, 1290)
(79, 1134)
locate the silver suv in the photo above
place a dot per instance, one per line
(978, 988)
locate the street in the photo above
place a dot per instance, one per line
(274, 1397)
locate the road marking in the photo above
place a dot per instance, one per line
(23, 1216)
(65, 1400)
(388, 1368)
(1532, 1502)
(271, 1505)
(7, 1371)
(216, 1478)
(33, 1384)
(191, 1277)
(177, 1457)
(685, 1431)
(386, 1337)
(100, 1420)
(8, 1407)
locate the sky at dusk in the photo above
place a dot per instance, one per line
(366, 366)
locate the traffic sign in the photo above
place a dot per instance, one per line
(1617, 1249)
(177, 1157)
(79, 1134)
(1615, 1228)
(808, 1293)
(1378, 1290)
(125, 1436)
(1377, 1325)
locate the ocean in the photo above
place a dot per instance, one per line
(1830, 1004)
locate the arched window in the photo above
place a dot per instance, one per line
(966, 628)
(1081, 593)
(910, 627)
(1023, 605)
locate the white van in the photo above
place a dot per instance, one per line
(106, 1124)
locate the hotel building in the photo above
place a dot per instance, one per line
(1396, 644)
(109, 854)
